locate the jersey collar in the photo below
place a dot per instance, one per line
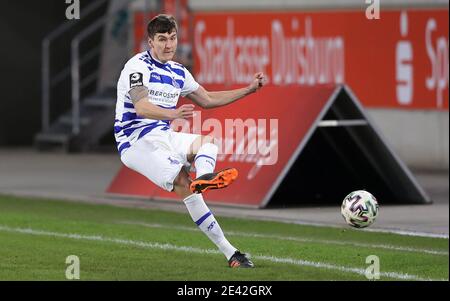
(156, 62)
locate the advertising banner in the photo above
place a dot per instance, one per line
(397, 61)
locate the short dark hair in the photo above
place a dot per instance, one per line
(161, 24)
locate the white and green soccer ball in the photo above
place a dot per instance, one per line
(359, 209)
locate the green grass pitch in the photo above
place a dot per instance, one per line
(114, 243)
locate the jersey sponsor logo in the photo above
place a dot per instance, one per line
(136, 79)
(162, 94)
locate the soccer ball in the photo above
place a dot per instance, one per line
(359, 209)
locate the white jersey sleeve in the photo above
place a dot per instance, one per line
(136, 74)
(190, 85)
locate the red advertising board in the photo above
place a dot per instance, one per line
(277, 122)
(397, 61)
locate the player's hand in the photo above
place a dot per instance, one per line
(185, 111)
(258, 82)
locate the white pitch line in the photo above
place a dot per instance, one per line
(375, 229)
(408, 233)
(358, 271)
(308, 240)
(153, 245)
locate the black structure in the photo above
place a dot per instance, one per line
(97, 118)
(93, 113)
(343, 152)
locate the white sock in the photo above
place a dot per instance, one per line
(205, 220)
(205, 160)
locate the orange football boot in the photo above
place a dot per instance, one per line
(214, 180)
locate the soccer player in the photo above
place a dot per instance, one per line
(147, 94)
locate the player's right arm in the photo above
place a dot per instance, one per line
(144, 108)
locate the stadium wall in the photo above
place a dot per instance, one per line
(420, 132)
(420, 137)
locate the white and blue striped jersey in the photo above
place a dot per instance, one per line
(165, 83)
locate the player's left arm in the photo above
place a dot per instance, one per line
(213, 99)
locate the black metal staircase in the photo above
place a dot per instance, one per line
(84, 114)
(97, 120)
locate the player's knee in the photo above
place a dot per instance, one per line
(198, 143)
(182, 180)
(208, 139)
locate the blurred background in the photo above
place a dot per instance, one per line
(411, 111)
(60, 69)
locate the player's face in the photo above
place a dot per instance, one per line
(164, 46)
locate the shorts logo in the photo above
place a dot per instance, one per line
(173, 161)
(136, 79)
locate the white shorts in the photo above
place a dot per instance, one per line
(159, 156)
